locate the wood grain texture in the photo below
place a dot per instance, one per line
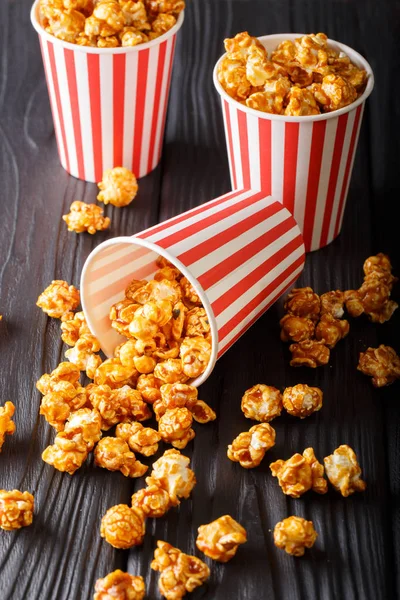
(357, 555)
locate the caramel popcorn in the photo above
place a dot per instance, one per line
(262, 403)
(301, 103)
(171, 472)
(294, 535)
(373, 299)
(118, 186)
(73, 326)
(196, 322)
(302, 400)
(179, 395)
(330, 330)
(65, 372)
(296, 329)
(377, 264)
(68, 453)
(232, 77)
(7, 426)
(180, 573)
(268, 102)
(86, 217)
(120, 586)
(303, 302)
(202, 413)
(116, 406)
(343, 471)
(85, 423)
(149, 387)
(299, 474)
(57, 406)
(114, 454)
(123, 527)
(249, 448)
(175, 427)
(16, 509)
(195, 354)
(382, 364)
(66, 25)
(332, 304)
(113, 373)
(153, 501)
(58, 298)
(83, 350)
(143, 440)
(165, 6)
(170, 371)
(163, 23)
(309, 353)
(335, 92)
(220, 539)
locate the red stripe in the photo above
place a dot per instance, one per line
(240, 257)
(226, 329)
(190, 213)
(230, 143)
(290, 165)
(119, 66)
(166, 98)
(229, 234)
(347, 171)
(53, 108)
(264, 133)
(50, 48)
(336, 159)
(314, 171)
(156, 102)
(95, 113)
(201, 224)
(74, 102)
(244, 147)
(141, 85)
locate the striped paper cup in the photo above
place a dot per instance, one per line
(240, 252)
(304, 162)
(109, 104)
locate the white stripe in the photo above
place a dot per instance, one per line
(351, 166)
(148, 109)
(226, 284)
(237, 158)
(164, 93)
(66, 109)
(280, 289)
(303, 164)
(342, 168)
(254, 151)
(106, 101)
(131, 66)
(52, 94)
(230, 158)
(82, 81)
(277, 159)
(326, 163)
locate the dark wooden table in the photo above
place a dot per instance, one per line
(61, 555)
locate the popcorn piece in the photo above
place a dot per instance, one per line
(65, 372)
(122, 314)
(123, 527)
(114, 374)
(301, 103)
(86, 217)
(149, 387)
(294, 534)
(296, 329)
(330, 330)
(16, 509)
(258, 68)
(85, 423)
(195, 353)
(57, 406)
(184, 573)
(196, 322)
(170, 371)
(171, 472)
(110, 41)
(163, 23)
(249, 448)
(135, 14)
(202, 413)
(338, 91)
(267, 102)
(58, 298)
(131, 37)
(221, 538)
(116, 406)
(377, 264)
(373, 298)
(68, 453)
(302, 400)
(309, 353)
(118, 186)
(84, 348)
(143, 440)
(299, 474)
(285, 53)
(73, 326)
(153, 501)
(167, 272)
(303, 302)
(174, 427)
(382, 364)
(238, 48)
(232, 77)
(7, 426)
(262, 403)
(133, 286)
(332, 304)
(175, 395)
(109, 13)
(120, 586)
(343, 471)
(66, 25)
(114, 454)
(165, 6)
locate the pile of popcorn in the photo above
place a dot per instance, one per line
(108, 23)
(301, 77)
(315, 323)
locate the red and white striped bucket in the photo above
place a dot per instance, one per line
(304, 162)
(240, 252)
(109, 104)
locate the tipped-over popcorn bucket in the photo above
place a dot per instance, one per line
(240, 252)
(109, 104)
(304, 162)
